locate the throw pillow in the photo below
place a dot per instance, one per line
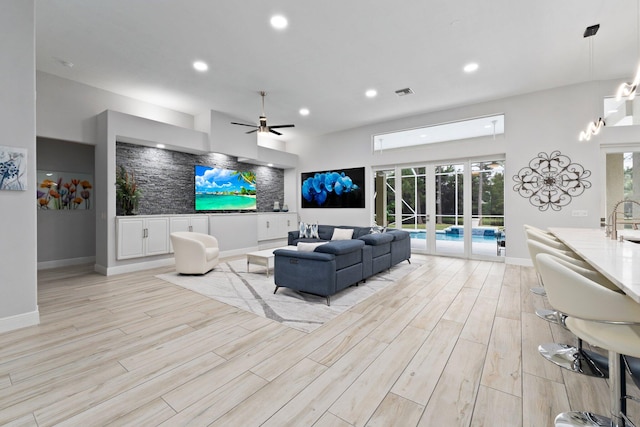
(309, 247)
(314, 231)
(342, 234)
(377, 229)
(303, 230)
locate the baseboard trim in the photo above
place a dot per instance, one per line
(19, 321)
(45, 265)
(146, 265)
(237, 252)
(525, 262)
(138, 266)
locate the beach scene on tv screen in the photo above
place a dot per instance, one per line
(224, 189)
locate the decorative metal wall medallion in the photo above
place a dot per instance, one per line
(551, 181)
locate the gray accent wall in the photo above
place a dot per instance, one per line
(166, 178)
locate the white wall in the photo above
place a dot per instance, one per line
(18, 299)
(539, 122)
(67, 110)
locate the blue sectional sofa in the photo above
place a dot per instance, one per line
(337, 264)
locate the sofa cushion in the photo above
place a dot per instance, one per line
(325, 231)
(342, 234)
(399, 234)
(347, 252)
(377, 239)
(360, 231)
(340, 247)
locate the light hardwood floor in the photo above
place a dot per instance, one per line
(454, 343)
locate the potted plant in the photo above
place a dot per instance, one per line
(127, 192)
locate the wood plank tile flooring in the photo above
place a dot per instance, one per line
(453, 343)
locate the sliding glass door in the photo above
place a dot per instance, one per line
(487, 204)
(453, 208)
(448, 194)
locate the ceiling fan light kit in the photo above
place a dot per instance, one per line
(262, 126)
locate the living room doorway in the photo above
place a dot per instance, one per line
(450, 208)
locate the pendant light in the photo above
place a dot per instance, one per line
(628, 90)
(594, 127)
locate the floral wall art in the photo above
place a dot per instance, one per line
(551, 181)
(342, 188)
(64, 190)
(13, 168)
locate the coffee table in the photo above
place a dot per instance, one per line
(264, 257)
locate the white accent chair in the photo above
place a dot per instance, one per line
(195, 253)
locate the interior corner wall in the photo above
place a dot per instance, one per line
(543, 121)
(232, 139)
(18, 259)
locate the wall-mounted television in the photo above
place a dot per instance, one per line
(219, 189)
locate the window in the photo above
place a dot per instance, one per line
(464, 129)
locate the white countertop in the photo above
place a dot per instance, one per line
(618, 261)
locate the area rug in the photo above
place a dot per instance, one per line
(230, 283)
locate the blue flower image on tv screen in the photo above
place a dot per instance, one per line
(333, 189)
(219, 189)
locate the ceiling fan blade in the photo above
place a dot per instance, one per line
(243, 124)
(252, 131)
(282, 126)
(273, 131)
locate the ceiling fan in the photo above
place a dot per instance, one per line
(262, 127)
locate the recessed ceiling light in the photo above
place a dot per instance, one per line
(371, 93)
(160, 145)
(279, 22)
(471, 67)
(304, 111)
(487, 126)
(200, 66)
(423, 136)
(612, 111)
(270, 165)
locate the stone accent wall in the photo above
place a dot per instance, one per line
(166, 178)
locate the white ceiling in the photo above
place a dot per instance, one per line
(332, 51)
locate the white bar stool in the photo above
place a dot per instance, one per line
(602, 317)
(552, 242)
(573, 358)
(541, 231)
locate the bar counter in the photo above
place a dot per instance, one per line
(617, 260)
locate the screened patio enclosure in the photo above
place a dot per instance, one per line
(453, 208)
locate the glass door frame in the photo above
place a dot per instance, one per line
(605, 200)
(431, 202)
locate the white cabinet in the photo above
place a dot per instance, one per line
(276, 225)
(197, 224)
(140, 236)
